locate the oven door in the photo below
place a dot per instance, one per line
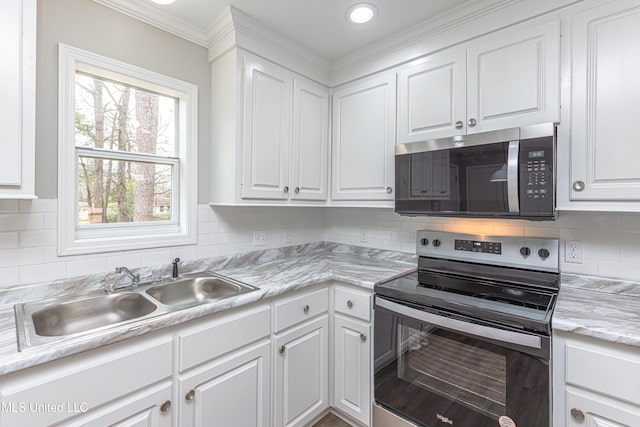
(437, 370)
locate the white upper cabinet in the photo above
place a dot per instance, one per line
(267, 130)
(509, 78)
(270, 132)
(364, 127)
(603, 60)
(432, 101)
(17, 103)
(513, 77)
(310, 142)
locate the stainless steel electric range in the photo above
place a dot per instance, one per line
(465, 341)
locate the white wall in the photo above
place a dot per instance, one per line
(28, 240)
(611, 242)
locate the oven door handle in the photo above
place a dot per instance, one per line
(501, 335)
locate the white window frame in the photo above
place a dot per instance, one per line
(74, 239)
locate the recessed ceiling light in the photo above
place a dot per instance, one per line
(361, 13)
(163, 2)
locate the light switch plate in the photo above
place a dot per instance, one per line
(259, 238)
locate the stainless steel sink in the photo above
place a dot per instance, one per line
(90, 313)
(196, 290)
(50, 321)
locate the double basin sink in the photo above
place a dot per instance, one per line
(42, 322)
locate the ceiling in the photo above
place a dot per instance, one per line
(317, 25)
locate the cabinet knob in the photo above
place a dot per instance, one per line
(577, 414)
(286, 190)
(305, 309)
(459, 124)
(190, 395)
(363, 337)
(166, 406)
(389, 190)
(297, 190)
(282, 349)
(578, 185)
(472, 122)
(349, 304)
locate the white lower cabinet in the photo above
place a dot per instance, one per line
(352, 364)
(596, 383)
(125, 384)
(352, 352)
(301, 372)
(233, 391)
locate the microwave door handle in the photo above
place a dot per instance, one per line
(480, 331)
(512, 176)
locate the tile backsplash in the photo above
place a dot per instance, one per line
(611, 242)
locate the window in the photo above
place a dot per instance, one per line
(127, 172)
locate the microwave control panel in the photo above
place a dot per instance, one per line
(537, 164)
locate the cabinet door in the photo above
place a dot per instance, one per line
(589, 410)
(352, 361)
(231, 391)
(513, 78)
(151, 408)
(310, 145)
(267, 130)
(17, 102)
(363, 140)
(605, 107)
(432, 98)
(301, 367)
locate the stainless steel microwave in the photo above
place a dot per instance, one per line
(507, 174)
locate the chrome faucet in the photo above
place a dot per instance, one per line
(135, 279)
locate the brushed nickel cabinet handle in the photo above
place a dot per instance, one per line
(166, 406)
(190, 395)
(297, 190)
(472, 122)
(363, 337)
(286, 190)
(578, 185)
(577, 414)
(305, 309)
(459, 124)
(349, 304)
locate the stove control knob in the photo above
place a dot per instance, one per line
(525, 251)
(543, 253)
(436, 242)
(424, 242)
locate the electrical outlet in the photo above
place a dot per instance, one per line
(364, 235)
(573, 251)
(286, 237)
(259, 238)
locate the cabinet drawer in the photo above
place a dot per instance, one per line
(56, 391)
(217, 337)
(297, 309)
(606, 371)
(353, 303)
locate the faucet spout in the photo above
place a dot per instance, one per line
(135, 279)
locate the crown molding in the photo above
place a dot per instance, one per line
(148, 14)
(237, 29)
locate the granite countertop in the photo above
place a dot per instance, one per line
(602, 308)
(274, 272)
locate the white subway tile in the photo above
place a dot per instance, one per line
(621, 270)
(50, 221)
(38, 205)
(22, 256)
(19, 222)
(184, 252)
(87, 266)
(8, 206)
(156, 257)
(9, 240)
(35, 238)
(42, 272)
(208, 251)
(127, 260)
(9, 277)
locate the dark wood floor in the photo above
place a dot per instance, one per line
(330, 420)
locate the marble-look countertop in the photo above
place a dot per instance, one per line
(602, 308)
(274, 272)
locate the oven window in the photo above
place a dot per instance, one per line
(436, 377)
